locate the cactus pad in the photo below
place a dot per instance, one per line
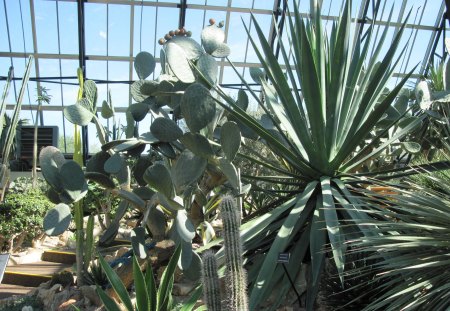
(57, 220)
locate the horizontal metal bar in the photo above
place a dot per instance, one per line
(236, 10)
(55, 108)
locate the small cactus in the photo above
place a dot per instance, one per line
(211, 286)
(236, 278)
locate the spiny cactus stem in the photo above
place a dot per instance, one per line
(211, 287)
(235, 274)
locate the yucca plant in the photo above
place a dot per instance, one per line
(412, 251)
(319, 135)
(149, 296)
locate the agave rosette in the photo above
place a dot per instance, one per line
(317, 134)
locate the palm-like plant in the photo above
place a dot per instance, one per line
(412, 251)
(319, 136)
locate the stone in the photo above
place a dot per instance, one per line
(89, 292)
(182, 289)
(122, 251)
(67, 305)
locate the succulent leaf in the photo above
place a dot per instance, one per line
(230, 138)
(139, 111)
(184, 226)
(179, 63)
(138, 242)
(144, 64)
(101, 179)
(136, 93)
(78, 114)
(90, 93)
(197, 107)
(114, 164)
(223, 50)
(212, 37)
(57, 220)
(187, 170)
(198, 144)
(107, 110)
(256, 74)
(51, 159)
(97, 162)
(165, 129)
(73, 181)
(158, 177)
(207, 65)
(242, 101)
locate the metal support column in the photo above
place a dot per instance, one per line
(182, 19)
(82, 64)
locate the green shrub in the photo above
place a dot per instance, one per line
(21, 302)
(22, 213)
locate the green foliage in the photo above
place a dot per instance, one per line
(320, 137)
(23, 210)
(436, 181)
(413, 250)
(23, 301)
(11, 130)
(149, 297)
(57, 220)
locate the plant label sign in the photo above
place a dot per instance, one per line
(4, 258)
(283, 257)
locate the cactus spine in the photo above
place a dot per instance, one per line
(235, 275)
(211, 286)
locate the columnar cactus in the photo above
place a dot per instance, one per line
(235, 275)
(211, 286)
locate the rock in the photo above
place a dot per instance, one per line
(47, 295)
(89, 292)
(65, 278)
(59, 299)
(182, 289)
(122, 251)
(67, 305)
(27, 308)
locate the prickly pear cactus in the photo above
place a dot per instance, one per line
(57, 220)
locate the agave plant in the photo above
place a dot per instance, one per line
(412, 250)
(321, 136)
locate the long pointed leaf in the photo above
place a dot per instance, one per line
(116, 284)
(335, 235)
(142, 298)
(109, 303)
(297, 214)
(165, 287)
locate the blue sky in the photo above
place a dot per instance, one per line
(117, 28)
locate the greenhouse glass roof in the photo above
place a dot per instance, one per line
(105, 35)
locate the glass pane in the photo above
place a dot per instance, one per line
(20, 34)
(46, 26)
(95, 22)
(4, 46)
(144, 33)
(68, 27)
(118, 71)
(119, 30)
